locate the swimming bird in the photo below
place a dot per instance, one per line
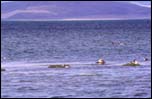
(145, 59)
(117, 43)
(134, 62)
(101, 61)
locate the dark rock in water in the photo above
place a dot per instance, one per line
(59, 66)
(2, 69)
(131, 64)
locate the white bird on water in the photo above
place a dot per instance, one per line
(101, 61)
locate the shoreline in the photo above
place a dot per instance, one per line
(68, 20)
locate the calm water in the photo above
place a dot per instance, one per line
(27, 48)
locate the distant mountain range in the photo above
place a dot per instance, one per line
(72, 10)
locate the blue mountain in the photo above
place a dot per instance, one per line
(73, 10)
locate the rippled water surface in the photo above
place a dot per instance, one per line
(28, 48)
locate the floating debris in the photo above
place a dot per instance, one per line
(59, 66)
(132, 63)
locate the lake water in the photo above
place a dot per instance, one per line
(27, 48)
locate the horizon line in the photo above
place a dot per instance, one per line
(75, 19)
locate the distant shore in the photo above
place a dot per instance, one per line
(104, 19)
